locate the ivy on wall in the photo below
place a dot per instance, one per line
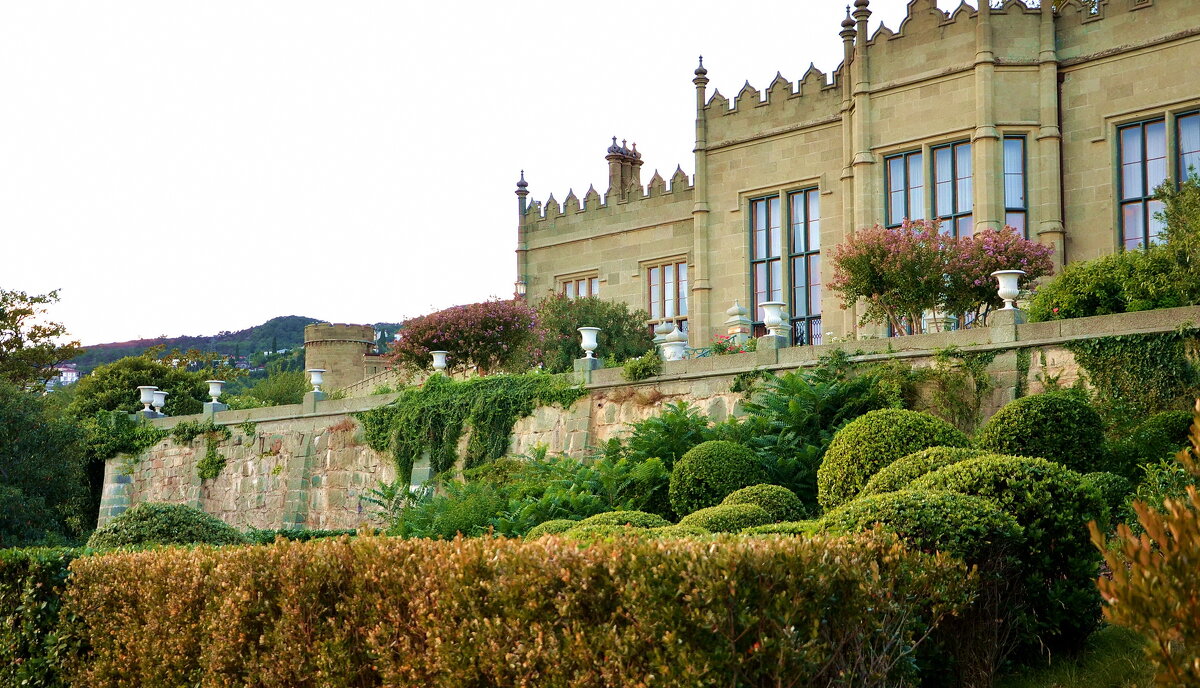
(431, 419)
(1135, 375)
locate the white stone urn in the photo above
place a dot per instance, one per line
(675, 345)
(589, 342)
(160, 400)
(214, 388)
(772, 316)
(439, 360)
(146, 396)
(1008, 286)
(317, 375)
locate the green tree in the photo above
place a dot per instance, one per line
(113, 387)
(29, 347)
(282, 387)
(623, 332)
(43, 489)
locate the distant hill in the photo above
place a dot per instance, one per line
(284, 332)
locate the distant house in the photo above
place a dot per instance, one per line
(65, 374)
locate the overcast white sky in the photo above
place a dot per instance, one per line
(189, 167)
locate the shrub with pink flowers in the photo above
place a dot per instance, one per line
(490, 336)
(901, 272)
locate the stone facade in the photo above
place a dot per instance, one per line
(1055, 87)
(343, 351)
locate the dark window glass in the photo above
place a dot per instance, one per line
(1142, 154)
(953, 194)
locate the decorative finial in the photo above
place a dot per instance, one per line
(614, 149)
(522, 184)
(635, 152)
(847, 22)
(862, 3)
(701, 71)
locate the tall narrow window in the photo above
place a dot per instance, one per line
(667, 292)
(766, 247)
(804, 254)
(1015, 207)
(953, 197)
(580, 286)
(1142, 150)
(1189, 145)
(905, 188)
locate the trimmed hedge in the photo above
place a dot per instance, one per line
(1055, 426)
(787, 528)
(901, 472)
(727, 518)
(602, 531)
(677, 530)
(31, 585)
(552, 527)
(778, 501)
(708, 472)
(637, 519)
(1160, 437)
(971, 528)
(371, 611)
(1058, 563)
(1113, 489)
(266, 536)
(151, 523)
(872, 441)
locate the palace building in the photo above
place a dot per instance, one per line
(1057, 121)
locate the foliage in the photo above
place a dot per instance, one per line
(1181, 219)
(1123, 282)
(30, 346)
(1162, 480)
(1113, 658)
(900, 473)
(1154, 589)
(281, 388)
(1113, 489)
(1161, 436)
(645, 366)
(728, 518)
(1055, 426)
(668, 435)
(709, 472)
(1053, 505)
(151, 523)
(248, 427)
(637, 519)
(870, 442)
(490, 336)
(372, 611)
(43, 487)
(186, 431)
(463, 509)
(259, 536)
(213, 462)
(623, 334)
(552, 527)
(32, 582)
(1136, 375)
(724, 344)
(902, 272)
(779, 502)
(109, 433)
(808, 528)
(433, 417)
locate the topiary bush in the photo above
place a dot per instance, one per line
(1057, 564)
(1055, 426)
(872, 441)
(677, 530)
(637, 519)
(599, 531)
(781, 503)
(1113, 489)
(901, 472)
(553, 527)
(708, 472)
(1160, 437)
(787, 528)
(727, 518)
(151, 523)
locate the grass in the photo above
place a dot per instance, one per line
(1113, 658)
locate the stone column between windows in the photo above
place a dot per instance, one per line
(1047, 210)
(988, 170)
(847, 178)
(700, 301)
(868, 205)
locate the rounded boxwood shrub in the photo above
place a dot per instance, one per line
(727, 518)
(708, 472)
(872, 441)
(1113, 489)
(598, 531)
(971, 528)
(151, 523)
(553, 527)
(677, 530)
(1055, 426)
(786, 528)
(1161, 436)
(898, 474)
(637, 519)
(778, 501)
(1058, 564)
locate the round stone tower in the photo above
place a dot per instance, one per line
(339, 349)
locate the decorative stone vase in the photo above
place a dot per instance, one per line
(146, 396)
(160, 400)
(214, 388)
(675, 346)
(439, 360)
(738, 325)
(772, 316)
(589, 342)
(317, 375)
(1008, 287)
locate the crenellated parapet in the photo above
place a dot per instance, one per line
(814, 99)
(1116, 25)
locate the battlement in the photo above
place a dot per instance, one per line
(552, 214)
(338, 332)
(813, 99)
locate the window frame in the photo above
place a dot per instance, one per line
(1181, 172)
(757, 326)
(908, 188)
(1146, 199)
(950, 222)
(1023, 211)
(681, 288)
(568, 285)
(805, 329)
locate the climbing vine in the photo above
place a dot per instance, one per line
(1024, 361)
(430, 420)
(1136, 375)
(953, 388)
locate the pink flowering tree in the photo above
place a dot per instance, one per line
(970, 287)
(897, 272)
(490, 336)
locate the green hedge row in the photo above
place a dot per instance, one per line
(372, 611)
